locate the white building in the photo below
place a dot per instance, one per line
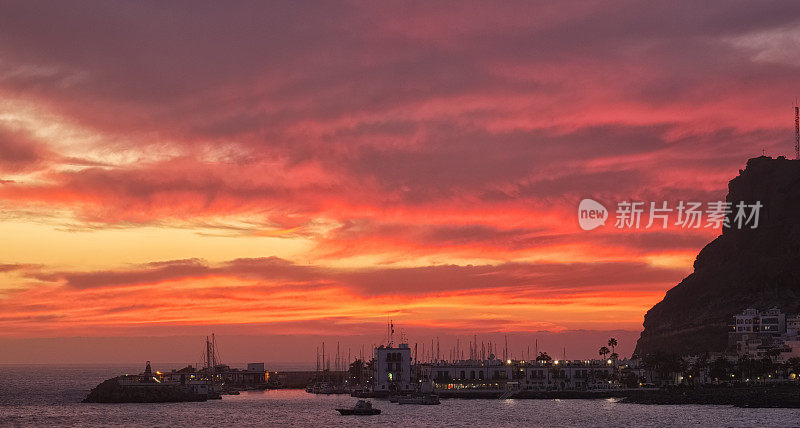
(771, 322)
(494, 374)
(793, 326)
(760, 334)
(255, 367)
(393, 369)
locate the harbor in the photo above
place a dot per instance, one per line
(51, 395)
(399, 374)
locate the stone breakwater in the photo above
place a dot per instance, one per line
(112, 391)
(786, 396)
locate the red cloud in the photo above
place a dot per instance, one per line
(436, 132)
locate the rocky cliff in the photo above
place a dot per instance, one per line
(744, 268)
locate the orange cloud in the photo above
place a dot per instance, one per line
(338, 162)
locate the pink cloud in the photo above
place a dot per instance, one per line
(444, 130)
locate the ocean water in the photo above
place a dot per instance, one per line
(50, 396)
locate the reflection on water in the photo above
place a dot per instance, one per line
(50, 396)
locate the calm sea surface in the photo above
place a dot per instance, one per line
(50, 396)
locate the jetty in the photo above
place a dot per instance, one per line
(148, 388)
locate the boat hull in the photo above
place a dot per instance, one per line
(359, 412)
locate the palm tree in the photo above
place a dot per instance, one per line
(604, 351)
(613, 344)
(543, 357)
(614, 356)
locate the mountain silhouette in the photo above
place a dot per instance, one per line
(741, 268)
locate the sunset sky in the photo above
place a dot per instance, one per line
(292, 172)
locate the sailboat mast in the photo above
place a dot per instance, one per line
(208, 355)
(214, 351)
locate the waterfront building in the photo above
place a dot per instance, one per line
(495, 374)
(393, 369)
(255, 367)
(793, 326)
(253, 377)
(770, 323)
(184, 380)
(765, 334)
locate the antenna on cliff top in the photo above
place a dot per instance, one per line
(796, 131)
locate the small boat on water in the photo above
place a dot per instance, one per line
(427, 399)
(361, 408)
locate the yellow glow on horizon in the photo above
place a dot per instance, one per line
(37, 243)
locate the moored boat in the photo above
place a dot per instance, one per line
(361, 408)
